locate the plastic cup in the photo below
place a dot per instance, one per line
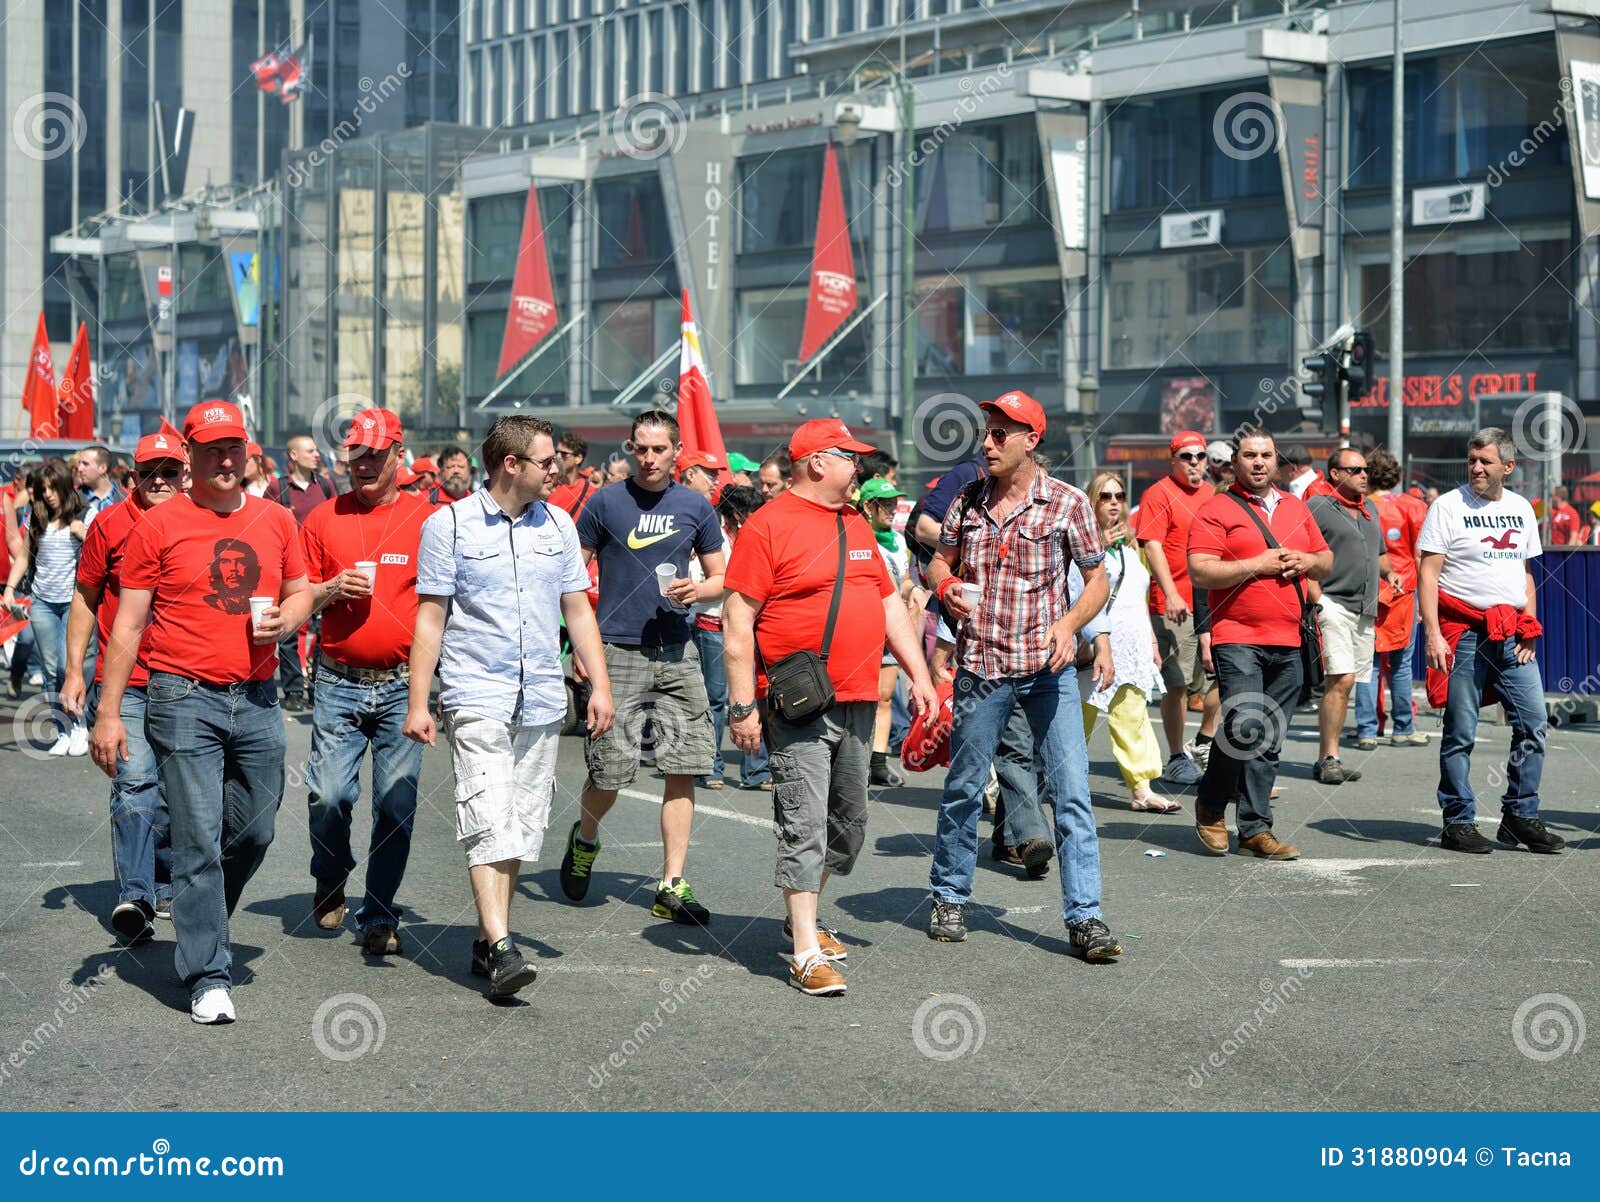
(665, 575)
(369, 569)
(259, 606)
(970, 594)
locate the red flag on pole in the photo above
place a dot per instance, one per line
(697, 419)
(833, 266)
(77, 391)
(533, 300)
(39, 390)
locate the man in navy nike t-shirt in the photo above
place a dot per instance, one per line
(635, 527)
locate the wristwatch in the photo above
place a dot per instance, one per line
(738, 710)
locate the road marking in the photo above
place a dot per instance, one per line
(1370, 963)
(1010, 910)
(1344, 874)
(56, 864)
(700, 808)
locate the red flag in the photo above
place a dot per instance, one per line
(697, 419)
(533, 300)
(39, 390)
(265, 69)
(291, 76)
(833, 265)
(77, 391)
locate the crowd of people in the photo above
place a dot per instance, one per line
(803, 609)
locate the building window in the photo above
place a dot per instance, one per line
(1238, 307)
(761, 44)
(630, 30)
(767, 343)
(628, 337)
(732, 52)
(632, 222)
(540, 106)
(1164, 155)
(877, 15)
(981, 176)
(846, 10)
(706, 43)
(586, 99)
(657, 53)
(519, 82)
(682, 49)
(990, 323)
(1465, 113)
(561, 104)
(780, 192)
(544, 380)
(1472, 292)
(817, 26)
(495, 234)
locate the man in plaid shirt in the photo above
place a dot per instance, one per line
(1010, 536)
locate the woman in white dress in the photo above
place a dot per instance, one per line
(1134, 655)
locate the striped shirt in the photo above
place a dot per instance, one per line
(55, 566)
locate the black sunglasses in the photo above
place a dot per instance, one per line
(164, 473)
(1113, 496)
(1192, 456)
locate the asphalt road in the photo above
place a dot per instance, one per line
(1378, 972)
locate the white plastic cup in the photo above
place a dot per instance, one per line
(970, 594)
(665, 575)
(259, 606)
(369, 569)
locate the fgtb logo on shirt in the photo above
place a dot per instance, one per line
(652, 528)
(402, 560)
(867, 554)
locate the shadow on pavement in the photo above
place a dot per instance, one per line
(1171, 832)
(149, 967)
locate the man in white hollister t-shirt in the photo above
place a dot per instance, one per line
(1478, 607)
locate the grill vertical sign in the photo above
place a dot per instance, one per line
(833, 267)
(533, 303)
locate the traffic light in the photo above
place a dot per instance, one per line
(1362, 371)
(1321, 385)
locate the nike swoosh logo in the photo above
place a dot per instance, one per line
(636, 543)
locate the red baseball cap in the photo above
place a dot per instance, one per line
(706, 459)
(1186, 438)
(1019, 407)
(213, 421)
(158, 446)
(373, 429)
(825, 434)
(424, 463)
(252, 449)
(404, 477)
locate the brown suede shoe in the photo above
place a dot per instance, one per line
(827, 941)
(328, 910)
(816, 977)
(1265, 846)
(381, 939)
(1004, 853)
(1213, 835)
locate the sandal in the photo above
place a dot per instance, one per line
(1154, 803)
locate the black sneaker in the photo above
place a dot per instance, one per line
(1331, 772)
(132, 920)
(884, 775)
(575, 865)
(480, 957)
(1515, 829)
(1464, 836)
(1035, 854)
(675, 900)
(1092, 940)
(164, 908)
(508, 971)
(294, 702)
(944, 923)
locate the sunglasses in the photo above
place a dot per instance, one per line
(1113, 496)
(1354, 471)
(838, 454)
(164, 473)
(999, 434)
(1192, 456)
(542, 464)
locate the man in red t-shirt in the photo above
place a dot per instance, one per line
(141, 840)
(780, 587)
(361, 557)
(210, 583)
(1162, 528)
(1400, 518)
(574, 488)
(1255, 593)
(1564, 520)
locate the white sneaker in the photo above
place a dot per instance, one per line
(36, 679)
(78, 742)
(62, 744)
(213, 1006)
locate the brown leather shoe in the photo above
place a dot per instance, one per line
(816, 977)
(328, 910)
(827, 940)
(1213, 835)
(1004, 853)
(381, 939)
(1265, 846)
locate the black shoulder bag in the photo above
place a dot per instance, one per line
(1310, 631)
(798, 687)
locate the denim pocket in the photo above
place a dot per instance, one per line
(473, 815)
(163, 688)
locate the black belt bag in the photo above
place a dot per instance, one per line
(798, 686)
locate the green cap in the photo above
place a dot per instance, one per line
(877, 489)
(739, 463)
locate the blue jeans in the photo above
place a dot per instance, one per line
(220, 749)
(1396, 665)
(49, 622)
(1017, 816)
(1479, 662)
(347, 718)
(899, 713)
(1260, 688)
(141, 837)
(983, 709)
(709, 644)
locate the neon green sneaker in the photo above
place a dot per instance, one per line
(675, 900)
(575, 865)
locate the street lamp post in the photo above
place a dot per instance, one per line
(1397, 257)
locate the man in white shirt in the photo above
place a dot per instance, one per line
(1479, 614)
(1295, 471)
